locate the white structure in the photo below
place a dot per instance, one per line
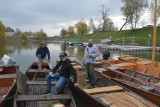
(9, 32)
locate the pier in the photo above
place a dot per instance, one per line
(127, 48)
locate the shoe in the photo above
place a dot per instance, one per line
(90, 86)
(47, 92)
(87, 81)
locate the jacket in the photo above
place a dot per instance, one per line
(43, 52)
(66, 69)
(94, 51)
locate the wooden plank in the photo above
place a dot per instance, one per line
(126, 100)
(3, 76)
(125, 64)
(39, 82)
(43, 97)
(103, 89)
(144, 62)
(37, 70)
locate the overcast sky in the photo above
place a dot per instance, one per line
(52, 15)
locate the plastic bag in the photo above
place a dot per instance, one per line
(7, 61)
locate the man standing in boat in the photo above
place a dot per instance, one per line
(91, 52)
(43, 54)
(65, 71)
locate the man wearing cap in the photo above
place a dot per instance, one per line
(43, 54)
(65, 70)
(91, 52)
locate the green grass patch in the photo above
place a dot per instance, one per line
(140, 36)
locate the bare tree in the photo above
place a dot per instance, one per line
(63, 32)
(105, 23)
(151, 10)
(103, 16)
(71, 31)
(132, 11)
(91, 26)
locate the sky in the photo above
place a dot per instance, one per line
(53, 15)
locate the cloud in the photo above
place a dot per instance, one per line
(52, 15)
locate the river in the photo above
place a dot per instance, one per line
(24, 55)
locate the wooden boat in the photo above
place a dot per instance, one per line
(107, 94)
(36, 87)
(141, 68)
(144, 85)
(7, 84)
(139, 60)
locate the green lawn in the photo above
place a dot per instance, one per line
(140, 36)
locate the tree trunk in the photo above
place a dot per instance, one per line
(122, 26)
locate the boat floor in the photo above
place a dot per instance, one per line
(4, 90)
(118, 98)
(124, 99)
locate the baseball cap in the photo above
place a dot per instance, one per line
(62, 54)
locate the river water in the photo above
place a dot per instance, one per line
(24, 54)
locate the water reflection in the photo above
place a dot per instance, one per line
(3, 50)
(24, 53)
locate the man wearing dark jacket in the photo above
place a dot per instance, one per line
(42, 53)
(66, 69)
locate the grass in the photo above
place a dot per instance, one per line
(140, 36)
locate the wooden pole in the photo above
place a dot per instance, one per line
(154, 33)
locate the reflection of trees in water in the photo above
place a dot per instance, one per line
(3, 50)
(25, 45)
(63, 48)
(78, 51)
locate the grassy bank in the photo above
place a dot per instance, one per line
(140, 36)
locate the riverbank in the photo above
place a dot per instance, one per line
(141, 36)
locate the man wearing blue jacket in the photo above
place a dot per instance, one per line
(91, 52)
(43, 54)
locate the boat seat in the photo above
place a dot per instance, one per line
(106, 89)
(40, 82)
(43, 97)
(144, 62)
(125, 64)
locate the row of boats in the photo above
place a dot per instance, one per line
(126, 82)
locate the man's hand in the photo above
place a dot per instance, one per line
(89, 54)
(49, 61)
(50, 73)
(76, 84)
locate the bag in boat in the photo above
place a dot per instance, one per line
(7, 61)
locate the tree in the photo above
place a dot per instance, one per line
(39, 36)
(81, 28)
(70, 30)
(2, 31)
(25, 36)
(18, 34)
(132, 11)
(63, 32)
(105, 23)
(43, 33)
(92, 26)
(151, 10)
